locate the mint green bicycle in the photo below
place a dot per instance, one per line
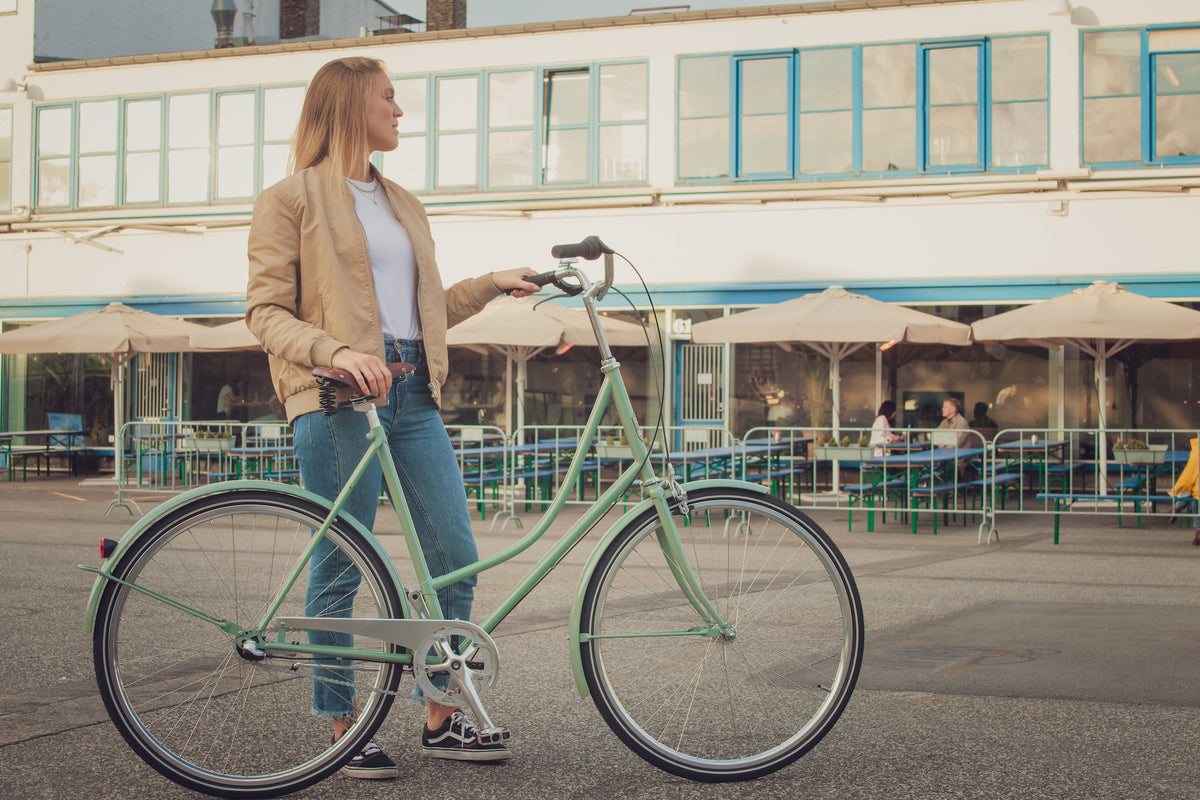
(718, 630)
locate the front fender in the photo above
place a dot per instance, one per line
(102, 574)
(617, 527)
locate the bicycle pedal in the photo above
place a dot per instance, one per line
(493, 736)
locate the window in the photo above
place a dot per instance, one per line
(764, 91)
(6, 134)
(407, 163)
(935, 108)
(143, 150)
(623, 131)
(1141, 97)
(457, 138)
(54, 149)
(566, 100)
(190, 148)
(704, 117)
(187, 148)
(281, 112)
(510, 131)
(826, 111)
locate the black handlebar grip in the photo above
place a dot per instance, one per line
(590, 248)
(541, 279)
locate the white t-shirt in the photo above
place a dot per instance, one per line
(392, 261)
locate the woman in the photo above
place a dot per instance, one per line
(881, 428)
(342, 274)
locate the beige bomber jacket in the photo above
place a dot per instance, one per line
(311, 290)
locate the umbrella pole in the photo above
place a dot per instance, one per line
(835, 385)
(1102, 424)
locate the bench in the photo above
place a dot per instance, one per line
(865, 493)
(1063, 501)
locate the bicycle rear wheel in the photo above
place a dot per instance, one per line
(729, 705)
(210, 716)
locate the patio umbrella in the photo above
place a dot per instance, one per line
(1101, 320)
(116, 329)
(835, 323)
(520, 328)
(228, 336)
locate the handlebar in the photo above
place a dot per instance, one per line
(590, 248)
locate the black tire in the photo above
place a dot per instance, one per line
(732, 705)
(176, 686)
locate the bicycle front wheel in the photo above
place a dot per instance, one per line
(712, 702)
(191, 698)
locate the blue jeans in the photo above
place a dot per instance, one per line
(328, 449)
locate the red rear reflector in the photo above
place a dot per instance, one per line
(107, 547)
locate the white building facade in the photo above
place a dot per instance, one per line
(952, 155)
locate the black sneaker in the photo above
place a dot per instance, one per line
(458, 739)
(370, 763)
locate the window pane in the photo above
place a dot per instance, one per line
(953, 135)
(143, 125)
(826, 142)
(141, 178)
(6, 132)
(510, 99)
(1112, 129)
(953, 75)
(54, 132)
(764, 85)
(5, 185)
(1019, 135)
(889, 139)
(187, 176)
(98, 127)
(53, 178)
(704, 87)
(1175, 123)
(510, 158)
(406, 164)
(457, 104)
(704, 148)
(889, 76)
(235, 171)
(281, 112)
(456, 160)
(566, 156)
(826, 80)
(1019, 68)
(623, 154)
(235, 119)
(1112, 63)
(568, 97)
(623, 92)
(97, 180)
(411, 97)
(1175, 39)
(274, 163)
(764, 144)
(187, 121)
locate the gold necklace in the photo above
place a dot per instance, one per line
(370, 195)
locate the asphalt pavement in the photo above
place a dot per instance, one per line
(1007, 671)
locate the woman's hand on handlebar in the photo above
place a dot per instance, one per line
(512, 282)
(370, 372)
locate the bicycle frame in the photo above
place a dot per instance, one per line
(661, 491)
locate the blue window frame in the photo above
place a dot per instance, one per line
(1141, 97)
(862, 110)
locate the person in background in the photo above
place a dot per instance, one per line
(953, 419)
(881, 428)
(343, 274)
(980, 418)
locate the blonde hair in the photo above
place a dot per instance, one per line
(333, 119)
